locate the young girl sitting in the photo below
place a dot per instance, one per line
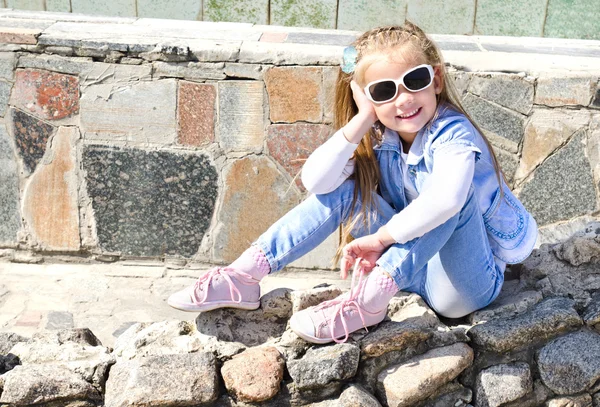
(411, 178)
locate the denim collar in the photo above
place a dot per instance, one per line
(391, 141)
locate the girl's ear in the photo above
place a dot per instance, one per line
(438, 80)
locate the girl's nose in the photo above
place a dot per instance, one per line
(403, 97)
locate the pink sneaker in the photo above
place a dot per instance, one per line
(221, 287)
(332, 320)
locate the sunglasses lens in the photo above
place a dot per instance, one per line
(382, 91)
(417, 79)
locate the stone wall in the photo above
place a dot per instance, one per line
(150, 138)
(534, 18)
(538, 344)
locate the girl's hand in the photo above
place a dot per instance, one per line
(365, 106)
(368, 248)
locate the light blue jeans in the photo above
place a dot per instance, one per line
(451, 267)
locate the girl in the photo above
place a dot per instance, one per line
(411, 178)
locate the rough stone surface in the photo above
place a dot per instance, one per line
(150, 203)
(549, 200)
(254, 375)
(47, 95)
(302, 299)
(500, 384)
(546, 132)
(321, 367)
(295, 94)
(196, 113)
(184, 380)
(564, 91)
(571, 364)
(5, 88)
(8, 61)
(452, 394)
(546, 320)
(417, 379)
(250, 328)
(31, 136)
(50, 198)
(591, 314)
(241, 219)
(508, 304)
(142, 112)
(511, 91)
(192, 71)
(10, 219)
(290, 145)
(241, 116)
(499, 121)
(37, 384)
(356, 396)
(583, 400)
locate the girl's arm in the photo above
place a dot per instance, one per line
(447, 193)
(330, 164)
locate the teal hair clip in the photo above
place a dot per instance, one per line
(349, 59)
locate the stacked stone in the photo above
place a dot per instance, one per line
(538, 344)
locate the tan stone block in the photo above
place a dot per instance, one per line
(295, 94)
(255, 195)
(241, 115)
(565, 91)
(546, 131)
(15, 35)
(50, 198)
(196, 113)
(330, 75)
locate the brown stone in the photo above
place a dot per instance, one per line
(295, 94)
(14, 35)
(196, 113)
(48, 95)
(291, 144)
(546, 131)
(254, 375)
(330, 75)
(255, 195)
(50, 198)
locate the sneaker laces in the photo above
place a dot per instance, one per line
(341, 304)
(227, 273)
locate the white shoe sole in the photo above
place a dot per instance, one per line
(215, 305)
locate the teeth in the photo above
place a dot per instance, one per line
(409, 114)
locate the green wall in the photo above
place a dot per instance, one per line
(530, 18)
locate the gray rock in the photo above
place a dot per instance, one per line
(452, 394)
(324, 366)
(302, 299)
(591, 315)
(548, 319)
(356, 396)
(161, 338)
(571, 364)
(579, 250)
(10, 217)
(534, 399)
(245, 71)
(7, 65)
(8, 340)
(495, 119)
(551, 201)
(582, 400)
(183, 380)
(420, 377)
(190, 70)
(564, 90)
(507, 305)
(38, 384)
(501, 384)
(249, 328)
(511, 91)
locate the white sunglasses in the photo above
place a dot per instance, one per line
(414, 80)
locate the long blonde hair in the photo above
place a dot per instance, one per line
(370, 46)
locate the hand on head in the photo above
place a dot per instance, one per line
(365, 106)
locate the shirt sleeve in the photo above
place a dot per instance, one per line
(444, 196)
(329, 165)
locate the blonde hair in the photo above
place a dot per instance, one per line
(418, 48)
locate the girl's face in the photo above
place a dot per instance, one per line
(408, 112)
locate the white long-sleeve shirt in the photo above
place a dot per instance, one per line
(445, 194)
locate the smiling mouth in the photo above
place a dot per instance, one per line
(409, 114)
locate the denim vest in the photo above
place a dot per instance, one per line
(511, 230)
